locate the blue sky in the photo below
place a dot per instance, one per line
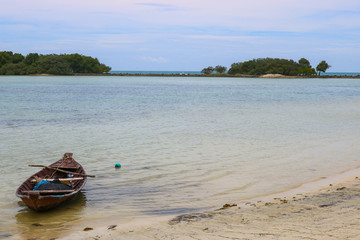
(185, 34)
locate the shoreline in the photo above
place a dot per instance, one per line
(278, 76)
(282, 215)
(215, 75)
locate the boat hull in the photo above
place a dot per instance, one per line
(43, 204)
(42, 200)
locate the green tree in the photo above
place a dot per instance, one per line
(104, 68)
(262, 66)
(16, 58)
(322, 67)
(75, 62)
(53, 64)
(235, 68)
(304, 62)
(305, 67)
(13, 69)
(31, 58)
(84, 64)
(220, 69)
(5, 57)
(208, 70)
(33, 69)
(34, 63)
(90, 65)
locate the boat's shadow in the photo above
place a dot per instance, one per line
(50, 224)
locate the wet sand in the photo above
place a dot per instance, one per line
(331, 212)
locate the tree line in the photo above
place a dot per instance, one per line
(262, 66)
(63, 64)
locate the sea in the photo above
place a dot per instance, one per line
(199, 73)
(158, 72)
(185, 144)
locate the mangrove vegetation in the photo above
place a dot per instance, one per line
(63, 64)
(263, 66)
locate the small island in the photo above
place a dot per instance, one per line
(270, 66)
(53, 64)
(80, 65)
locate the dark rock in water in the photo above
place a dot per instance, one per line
(325, 205)
(112, 226)
(37, 224)
(88, 229)
(229, 205)
(5, 235)
(55, 185)
(194, 217)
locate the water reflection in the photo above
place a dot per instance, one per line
(50, 224)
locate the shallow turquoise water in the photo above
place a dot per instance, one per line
(185, 144)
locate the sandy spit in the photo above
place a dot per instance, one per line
(331, 213)
(275, 76)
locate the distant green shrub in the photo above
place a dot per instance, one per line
(263, 66)
(63, 64)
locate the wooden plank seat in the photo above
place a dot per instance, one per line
(66, 167)
(60, 179)
(49, 191)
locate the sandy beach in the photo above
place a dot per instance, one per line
(331, 212)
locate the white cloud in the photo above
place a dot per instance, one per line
(276, 15)
(181, 31)
(158, 6)
(154, 59)
(221, 37)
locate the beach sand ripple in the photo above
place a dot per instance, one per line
(331, 213)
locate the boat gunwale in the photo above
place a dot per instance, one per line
(61, 197)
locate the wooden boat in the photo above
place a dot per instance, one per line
(67, 170)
